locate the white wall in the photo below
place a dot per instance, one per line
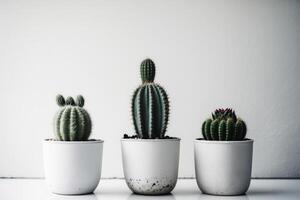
(209, 54)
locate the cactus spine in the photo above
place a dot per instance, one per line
(224, 125)
(150, 105)
(72, 122)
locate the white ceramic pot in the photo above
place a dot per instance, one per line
(223, 167)
(150, 165)
(72, 167)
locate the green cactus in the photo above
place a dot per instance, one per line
(72, 122)
(147, 71)
(224, 126)
(150, 105)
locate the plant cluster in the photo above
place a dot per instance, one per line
(224, 125)
(72, 122)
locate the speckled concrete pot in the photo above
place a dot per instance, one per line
(223, 167)
(72, 167)
(150, 165)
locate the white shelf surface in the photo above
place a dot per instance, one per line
(116, 189)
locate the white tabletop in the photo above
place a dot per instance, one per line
(116, 189)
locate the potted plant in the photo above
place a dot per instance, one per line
(223, 157)
(72, 162)
(150, 158)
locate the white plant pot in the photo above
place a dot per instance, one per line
(150, 165)
(72, 167)
(223, 167)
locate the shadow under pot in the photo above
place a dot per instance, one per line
(72, 167)
(150, 165)
(223, 167)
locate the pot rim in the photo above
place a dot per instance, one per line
(149, 140)
(72, 142)
(244, 141)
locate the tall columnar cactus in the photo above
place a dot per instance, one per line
(224, 125)
(150, 105)
(72, 122)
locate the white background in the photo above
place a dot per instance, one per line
(209, 54)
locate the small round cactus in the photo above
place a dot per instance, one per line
(224, 125)
(72, 122)
(150, 105)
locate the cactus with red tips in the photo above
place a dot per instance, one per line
(224, 125)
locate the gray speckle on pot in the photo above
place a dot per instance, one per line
(151, 186)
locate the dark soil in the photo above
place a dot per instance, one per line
(136, 137)
(53, 139)
(223, 140)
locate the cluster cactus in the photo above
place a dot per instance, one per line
(150, 105)
(224, 126)
(72, 122)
